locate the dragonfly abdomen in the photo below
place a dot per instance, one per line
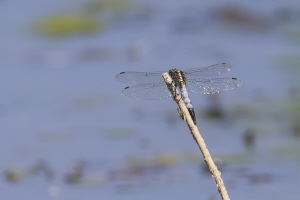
(185, 97)
(188, 102)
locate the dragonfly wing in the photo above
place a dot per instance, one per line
(140, 77)
(147, 91)
(213, 85)
(209, 71)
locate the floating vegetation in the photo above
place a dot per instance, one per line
(68, 24)
(293, 108)
(257, 178)
(296, 128)
(249, 137)
(136, 169)
(87, 20)
(242, 17)
(213, 113)
(238, 158)
(214, 110)
(287, 150)
(80, 175)
(100, 5)
(156, 162)
(14, 174)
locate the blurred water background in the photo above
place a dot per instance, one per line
(66, 133)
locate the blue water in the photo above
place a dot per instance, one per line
(60, 102)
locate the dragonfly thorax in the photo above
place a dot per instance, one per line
(178, 77)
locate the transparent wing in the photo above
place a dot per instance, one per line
(147, 91)
(209, 71)
(212, 86)
(140, 77)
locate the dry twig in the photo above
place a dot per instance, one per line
(216, 174)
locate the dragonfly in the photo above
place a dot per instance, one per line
(151, 85)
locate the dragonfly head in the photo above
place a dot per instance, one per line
(177, 76)
(173, 71)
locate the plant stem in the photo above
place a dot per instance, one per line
(216, 174)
